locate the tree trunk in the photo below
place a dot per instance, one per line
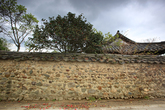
(18, 47)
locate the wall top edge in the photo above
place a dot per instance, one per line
(8, 52)
(81, 57)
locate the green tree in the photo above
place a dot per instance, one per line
(4, 44)
(21, 24)
(109, 37)
(94, 44)
(1, 26)
(2, 20)
(28, 45)
(68, 34)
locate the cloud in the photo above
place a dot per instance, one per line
(143, 18)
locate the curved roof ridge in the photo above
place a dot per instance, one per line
(124, 38)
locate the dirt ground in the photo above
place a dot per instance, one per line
(83, 104)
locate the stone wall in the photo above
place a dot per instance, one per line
(47, 76)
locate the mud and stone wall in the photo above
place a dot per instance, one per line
(47, 76)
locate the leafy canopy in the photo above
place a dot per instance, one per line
(68, 34)
(4, 44)
(95, 42)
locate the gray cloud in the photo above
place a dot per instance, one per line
(144, 18)
(93, 8)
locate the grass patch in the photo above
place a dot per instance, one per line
(54, 100)
(99, 99)
(92, 99)
(146, 97)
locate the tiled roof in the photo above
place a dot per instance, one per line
(124, 38)
(155, 48)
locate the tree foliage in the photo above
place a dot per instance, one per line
(68, 34)
(29, 48)
(4, 44)
(1, 24)
(95, 42)
(108, 38)
(21, 24)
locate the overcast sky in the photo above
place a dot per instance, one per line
(141, 19)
